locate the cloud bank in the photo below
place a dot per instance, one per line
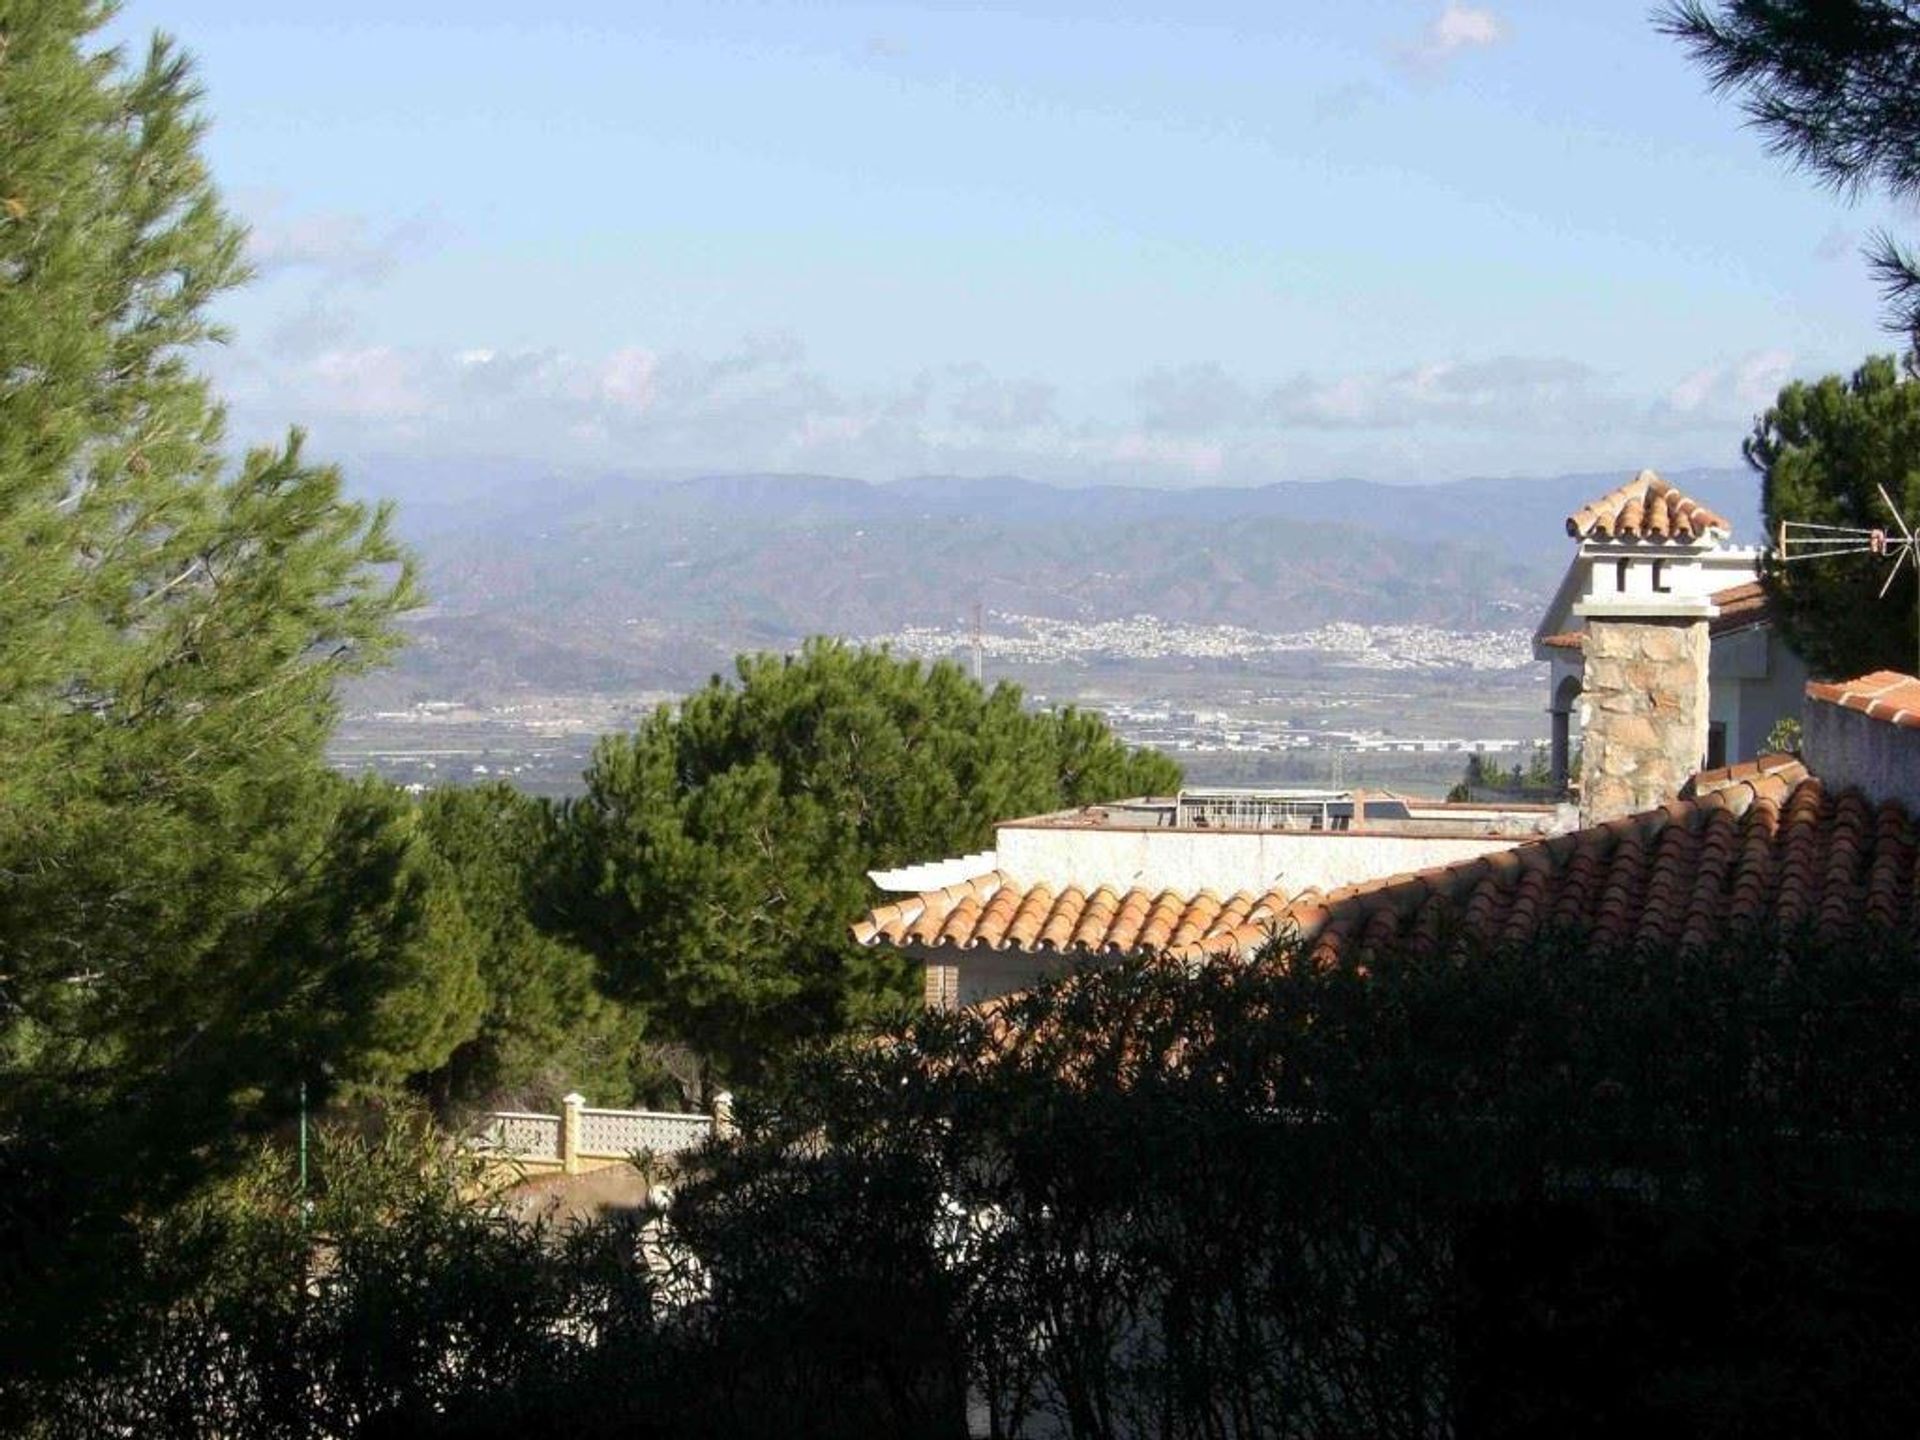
(762, 403)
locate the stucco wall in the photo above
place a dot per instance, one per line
(1222, 860)
(1846, 748)
(1756, 681)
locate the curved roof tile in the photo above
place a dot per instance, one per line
(1749, 846)
(1645, 508)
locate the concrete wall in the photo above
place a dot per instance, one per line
(1847, 749)
(1646, 704)
(1222, 860)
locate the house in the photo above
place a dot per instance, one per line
(1654, 1244)
(1202, 873)
(1661, 647)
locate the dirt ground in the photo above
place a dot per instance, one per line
(564, 1198)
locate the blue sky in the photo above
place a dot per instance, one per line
(1211, 243)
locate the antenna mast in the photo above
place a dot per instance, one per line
(978, 616)
(1806, 540)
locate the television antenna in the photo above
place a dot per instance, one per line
(1807, 540)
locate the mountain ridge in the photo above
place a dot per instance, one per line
(603, 581)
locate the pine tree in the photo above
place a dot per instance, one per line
(194, 916)
(1830, 84)
(720, 854)
(1824, 451)
(544, 1027)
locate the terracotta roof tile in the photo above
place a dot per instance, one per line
(1758, 845)
(1740, 777)
(1741, 607)
(1884, 695)
(1645, 508)
(1751, 847)
(993, 913)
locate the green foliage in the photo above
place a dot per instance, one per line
(1560, 1189)
(546, 1028)
(1830, 84)
(1823, 450)
(721, 851)
(1563, 1189)
(1484, 779)
(193, 913)
(398, 1305)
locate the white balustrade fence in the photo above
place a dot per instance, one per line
(581, 1134)
(524, 1136)
(620, 1133)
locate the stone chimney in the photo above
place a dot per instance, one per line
(1644, 703)
(1645, 578)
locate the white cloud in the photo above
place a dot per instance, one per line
(334, 247)
(1505, 391)
(1734, 390)
(764, 404)
(373, 382)
(626, 378)
(1455, 29)
(982, 401)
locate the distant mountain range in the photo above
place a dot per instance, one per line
(597, 582)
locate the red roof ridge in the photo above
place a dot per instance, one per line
(1882, 695)
(996, 912)
(1753, 847)
(1709, 782)
(1645, 508)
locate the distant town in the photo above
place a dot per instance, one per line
(1037, 639)
(1340, 703)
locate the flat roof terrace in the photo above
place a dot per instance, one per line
(1308, 812)
(1229, 840)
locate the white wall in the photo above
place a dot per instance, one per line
(1690, 575)
(1223, 860)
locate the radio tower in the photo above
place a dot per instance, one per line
(977, 618)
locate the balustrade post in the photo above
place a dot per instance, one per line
(571, 1106)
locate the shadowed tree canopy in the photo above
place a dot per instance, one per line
(545, 1028)
(1823, 451)
(1834, 86)
(721, 851)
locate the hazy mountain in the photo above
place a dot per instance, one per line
(574, 582)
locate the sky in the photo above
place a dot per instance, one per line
(1205, 243)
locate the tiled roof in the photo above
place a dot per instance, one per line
(1741, 607)
(991, 912)
(1645, 508)
(1749, 847)
(1885, 695)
